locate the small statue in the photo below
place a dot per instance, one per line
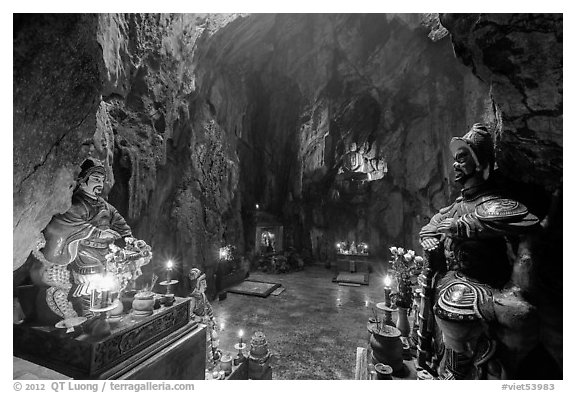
(486, 324)
(353, 249)
(201, 311)
(78, 244)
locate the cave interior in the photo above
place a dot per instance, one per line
(228, 138)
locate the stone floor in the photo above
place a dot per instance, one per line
(313, 327)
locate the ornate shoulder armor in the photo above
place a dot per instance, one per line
(500, 209)
(461, 299)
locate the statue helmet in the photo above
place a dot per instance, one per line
(90, 166)
(195, 275)
(478, 141)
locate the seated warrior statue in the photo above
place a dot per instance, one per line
(486, 325)
(201, 311)
(77, 242)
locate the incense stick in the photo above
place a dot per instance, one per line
(154, 279)
(376, 318)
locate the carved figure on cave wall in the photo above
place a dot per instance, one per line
(482, 314)
(358, 164)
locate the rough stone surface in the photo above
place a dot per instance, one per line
(56, 97)
(520, 57)
(177, 174)
(311, 86)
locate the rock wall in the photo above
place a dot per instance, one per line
(519, 56)
(122, 88)
(176, 174)
(57, 109)
(310, 86)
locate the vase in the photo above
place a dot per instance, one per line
(226, 364)
(115, 314)
(387, 347)
(403, 324)
(143, 303)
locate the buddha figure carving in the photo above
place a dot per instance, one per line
(361, 164)
(201, 311)
(484, 323)
(79, 244)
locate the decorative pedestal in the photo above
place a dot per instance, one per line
(166, 338)
(258, 365)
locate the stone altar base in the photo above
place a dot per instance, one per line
(134, 350)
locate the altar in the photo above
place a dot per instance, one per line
(353, 263)
(165, 345)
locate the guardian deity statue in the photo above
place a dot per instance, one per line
(77, 244)
(485, 323)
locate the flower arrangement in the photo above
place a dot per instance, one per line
(125, 263)
(405, 266)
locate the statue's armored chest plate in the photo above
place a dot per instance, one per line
(500, 208)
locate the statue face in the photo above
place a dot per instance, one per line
(464, 165)
(202, 285)
(93, 185)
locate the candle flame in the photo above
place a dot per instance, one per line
(387, 281)
(107, 282)
(169, 264)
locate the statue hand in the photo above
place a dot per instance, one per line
(109, 234)
(430, 243)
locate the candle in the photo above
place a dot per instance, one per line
(169, 265)
(93, 298)
(105, 298)
(387, 283)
